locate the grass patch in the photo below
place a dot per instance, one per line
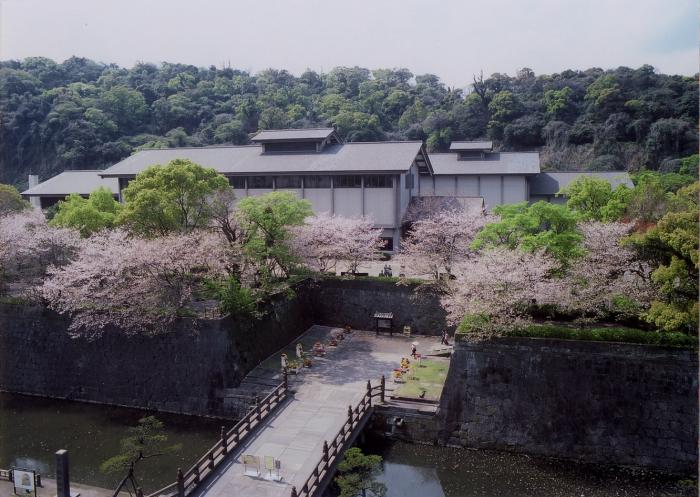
(605, 334)
(429, 378)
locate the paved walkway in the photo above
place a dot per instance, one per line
(48, 489)
(294, 434)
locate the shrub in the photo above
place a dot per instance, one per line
(604, 334)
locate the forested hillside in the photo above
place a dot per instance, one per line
(81, 114)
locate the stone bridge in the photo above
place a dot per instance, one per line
(305, 427)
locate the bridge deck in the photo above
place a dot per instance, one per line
(294, 434)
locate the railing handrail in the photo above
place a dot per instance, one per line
(228, 442)
(331, 451)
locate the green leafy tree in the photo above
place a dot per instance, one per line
(560, 104)
(358, 474)
(672, 246)
(10, 200)
(146, 440)
(171, 198)
(265, 221)
(594, 199)
(540, 226)
(87, 215)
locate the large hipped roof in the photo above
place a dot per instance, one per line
(250, 159)
(495, 163)
(81, 182)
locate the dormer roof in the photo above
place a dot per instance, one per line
(296, 135)
(482, 146)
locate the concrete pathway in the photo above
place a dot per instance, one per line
(48, 489)
(294, 434)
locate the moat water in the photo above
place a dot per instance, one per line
(32, 429)
(410, 470)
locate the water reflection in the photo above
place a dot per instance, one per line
(426, 471)
(32, 429)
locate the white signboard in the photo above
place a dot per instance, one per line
(24, 481)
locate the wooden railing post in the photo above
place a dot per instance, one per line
(285, 379)
(294, 492)
(369, 392)
(257, 408)
(382, 388)
(180, 483)
(211, 460)
(325, 451)
(196, 474)
(350, 416)
(224, 441)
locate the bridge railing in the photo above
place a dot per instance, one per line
(187, 481)
(331, 452)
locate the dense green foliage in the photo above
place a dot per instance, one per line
(594, 199)
(171, 198)
(672, 246)
(266, 220)
(81, 114)
(607, 334)
(473, 324)
(357, 473)
(10, 200)
(233, 298)
(88, 216)
(540, 226)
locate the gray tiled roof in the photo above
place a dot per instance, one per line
(293, 134)
(249, 159)
(82, 182)
(473, 145)
(550, 182)
(495, 163)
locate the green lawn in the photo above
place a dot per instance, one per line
(429, 378)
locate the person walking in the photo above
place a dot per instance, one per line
(413, 350)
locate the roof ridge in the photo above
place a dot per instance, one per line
(204, 147)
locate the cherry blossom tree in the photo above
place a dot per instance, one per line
(325, 240)
(436, 243)
(499, 282)
(609, 277)
(136, 284)
(28, 245)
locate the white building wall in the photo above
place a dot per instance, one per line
(379, 204)
(426, 186)
(491, 190)
(256, 192)
(514, 189)
(320, 199)
(348, 202)
(297, 191)
(468, 186)
(445, 185)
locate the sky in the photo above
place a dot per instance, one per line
(450, 38)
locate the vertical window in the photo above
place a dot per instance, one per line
(379, 181)
(260, 182)
(409, 181)
(347, 181)
(317, 181)
(237, 182)
(287, 182)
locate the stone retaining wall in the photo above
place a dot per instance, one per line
(180, 371)
(340, 302)
(600, 402)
